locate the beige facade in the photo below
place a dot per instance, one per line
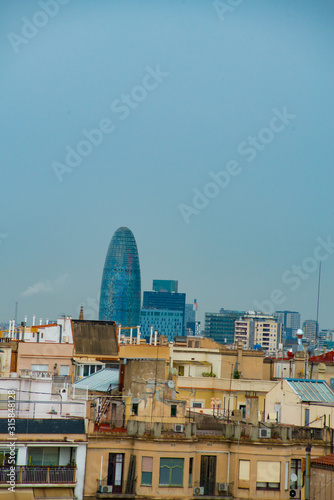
(49, 357)
(144, 351)
(284, 404)
(174, 466)
(250, 364)
(222, 396)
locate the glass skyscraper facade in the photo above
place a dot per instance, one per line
(166, 322)
(290, 321)
(120, 286)
(220, 326)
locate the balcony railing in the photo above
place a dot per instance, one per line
(25, 373)
(38, 474)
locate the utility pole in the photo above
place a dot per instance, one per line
(308, 472)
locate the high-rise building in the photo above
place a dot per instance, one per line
(251, 328)
(120, 286)
(290, 321)
(172, 301)
(310, 330)
(164, 321)
(220, 326)
(266, 332)
(190, 319)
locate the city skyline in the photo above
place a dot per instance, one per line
(209, 135)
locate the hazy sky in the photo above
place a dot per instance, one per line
(205, 127)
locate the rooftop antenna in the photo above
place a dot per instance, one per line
(317, 325)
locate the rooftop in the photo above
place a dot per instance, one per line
(315, 391)
(326, 461)
(100, 380)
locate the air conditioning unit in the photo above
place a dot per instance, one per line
(264, 433)
(294, 493)
(106, 489)
(178, 428)
(199, 490)
(223, 487)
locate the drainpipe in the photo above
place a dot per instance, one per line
(308, 472)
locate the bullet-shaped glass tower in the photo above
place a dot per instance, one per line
(120, 286)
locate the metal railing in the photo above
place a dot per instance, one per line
(36, 474)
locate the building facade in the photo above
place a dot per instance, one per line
(120, 287)
(220, 326)
(310, 330)
(165, 322)
(290, 321)
(190, 319)
(165, 300)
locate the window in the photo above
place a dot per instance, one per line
(191, 466)
(286, 478)
(296, 474)
(268, 475)
(134, 408)
(6, 458)
(86, 371)
(244, 468)
(243, 409)
(181, 371)
(307, 416)
(39, 368)
(196, 404)
(146, 471)
(64, 370)
(173, 410)
(171, 472)
(43, 456)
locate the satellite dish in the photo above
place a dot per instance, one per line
(294, 477)
(171, 384)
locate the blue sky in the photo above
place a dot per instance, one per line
(200, 83)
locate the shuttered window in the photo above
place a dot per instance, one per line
(146, 471)
(244, 467)
(268, 475)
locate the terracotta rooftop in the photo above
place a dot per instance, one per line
(328, 357)
(326, 461)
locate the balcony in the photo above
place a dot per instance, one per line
(38, 474)
(25, 373)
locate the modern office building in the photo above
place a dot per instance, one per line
(290, 321)
(160, 300)
(220, 326)
(190, 318)
(310, 329)
(120, 286)
(165, 322)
